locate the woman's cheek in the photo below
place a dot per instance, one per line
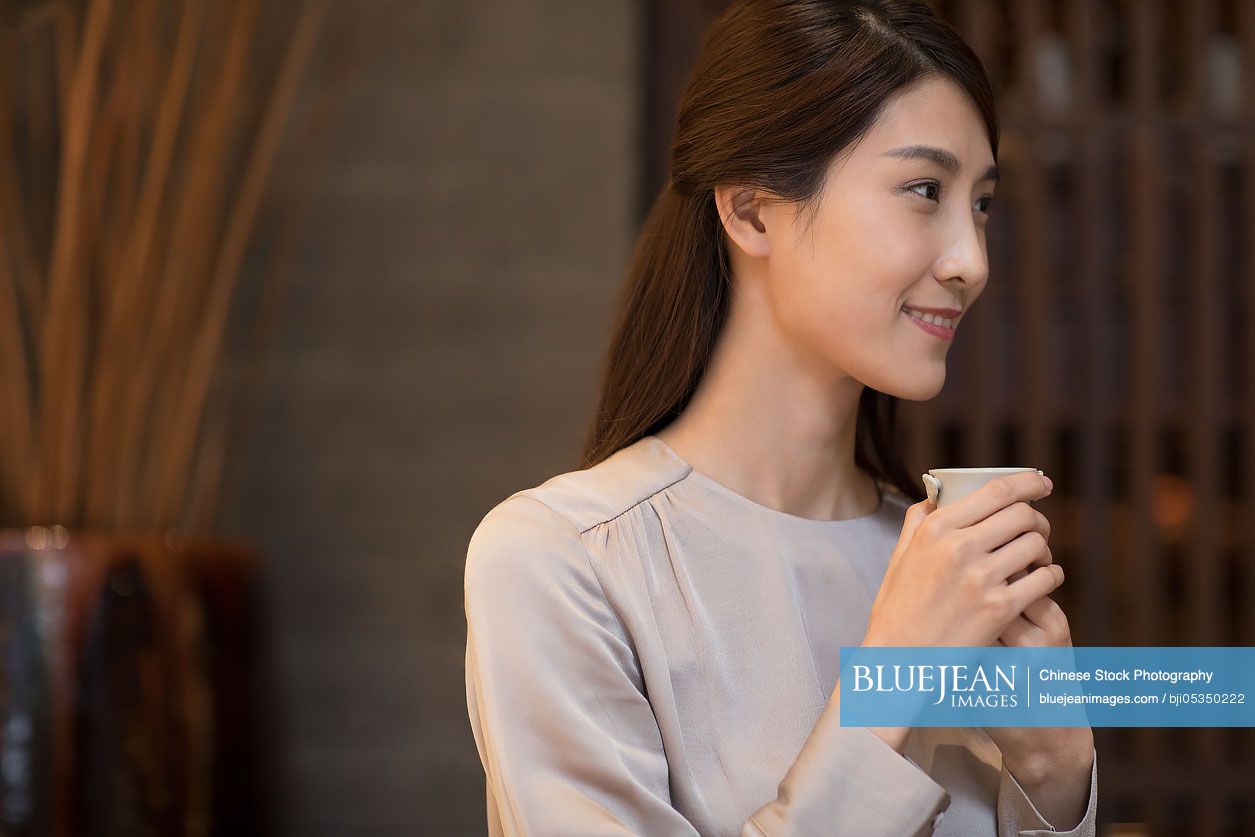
(808, 310)
(842, 325)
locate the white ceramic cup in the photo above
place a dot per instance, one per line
(949, 485)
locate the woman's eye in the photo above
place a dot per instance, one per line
(931, 190)
(933, 185)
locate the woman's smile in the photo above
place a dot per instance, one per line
(932, 324)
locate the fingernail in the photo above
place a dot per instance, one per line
(1049, 482)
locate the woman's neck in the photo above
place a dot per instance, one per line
(773, 430)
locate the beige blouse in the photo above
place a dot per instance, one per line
(650, 653)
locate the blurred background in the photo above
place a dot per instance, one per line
(291, 294)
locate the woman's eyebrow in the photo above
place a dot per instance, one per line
(940, 156)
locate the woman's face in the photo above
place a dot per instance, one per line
(895, 228)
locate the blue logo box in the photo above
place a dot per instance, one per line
(1097, 686)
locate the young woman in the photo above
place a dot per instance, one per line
(653, 640)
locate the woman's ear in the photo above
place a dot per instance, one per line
(742, 212)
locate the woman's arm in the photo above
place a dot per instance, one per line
(568, 739)
(1018, 816)
(849, 780)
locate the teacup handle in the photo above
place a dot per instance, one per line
(933, 486)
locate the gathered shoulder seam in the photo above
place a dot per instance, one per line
(527, 493)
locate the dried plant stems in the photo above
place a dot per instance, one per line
(63, 336)
(194, 232)
(40, 79)
(15, 407)
(184, 425)
(225, 426)
(109, 351)
(66, 32)
(15, 385)
(140, 81)
(132, 280)
(102, 190)
(13, 224)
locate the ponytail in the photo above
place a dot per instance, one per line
(673, 305)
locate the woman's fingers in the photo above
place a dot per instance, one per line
(1005, 525)
(1040, 582)
(992, 497)
(915, 515)
(1050, 619)
(1043, 623)
(1023, 553)
(1023, 633)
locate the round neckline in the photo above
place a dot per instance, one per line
(721, 489)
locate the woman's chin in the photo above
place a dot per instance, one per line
(923, 387)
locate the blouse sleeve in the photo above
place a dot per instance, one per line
(566, 734)
(1019, 817)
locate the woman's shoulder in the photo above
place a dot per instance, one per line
(536, 532)
(518, 550)
(588, 497)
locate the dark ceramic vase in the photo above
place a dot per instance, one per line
(129, 694)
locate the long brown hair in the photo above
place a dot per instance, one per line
(779, 88)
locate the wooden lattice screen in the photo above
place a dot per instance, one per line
(1111, 347)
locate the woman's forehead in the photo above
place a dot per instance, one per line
(935, 115)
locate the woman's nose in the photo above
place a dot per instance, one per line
(966, 259)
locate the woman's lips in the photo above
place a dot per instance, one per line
(935, 330)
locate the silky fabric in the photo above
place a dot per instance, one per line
(649, 652)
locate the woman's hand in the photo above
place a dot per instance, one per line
(1052, 764)
(946, 583)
